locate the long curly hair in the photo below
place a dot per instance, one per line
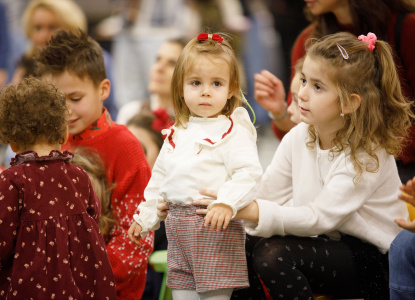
(32, 111)
(384, 115)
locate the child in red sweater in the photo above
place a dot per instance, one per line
(51, 247)
(74, 63)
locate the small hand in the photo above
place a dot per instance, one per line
(408, 195)
(270, 93)
(162, 210)
(408, 191)
(220, 215)
(134, 233)
(205, 201)
(406, 225)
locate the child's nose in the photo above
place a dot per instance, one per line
(206, 91)
(302, 94)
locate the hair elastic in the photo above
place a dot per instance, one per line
(369, 38)
(343, 51)
(247, 103)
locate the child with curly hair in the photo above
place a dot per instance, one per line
(51, 245)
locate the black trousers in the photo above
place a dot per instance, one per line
(298, 267)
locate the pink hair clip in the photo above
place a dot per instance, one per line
(369, 38)
(210, 37)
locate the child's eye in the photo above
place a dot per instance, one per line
(196, 82)
(76, 99)
(303, 81)
(217, 83)
(318, 87)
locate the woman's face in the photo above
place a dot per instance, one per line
(161, 72)
(44, 25)
(319, 7)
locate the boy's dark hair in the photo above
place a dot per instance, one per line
(32, 111)
(76, 53)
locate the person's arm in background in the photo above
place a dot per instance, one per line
(281, 126)
(4, 47)
(408, 195)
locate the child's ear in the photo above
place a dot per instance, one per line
(14, 146)
(354, 104)
(104, 89)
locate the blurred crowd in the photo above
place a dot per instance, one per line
(131, 32)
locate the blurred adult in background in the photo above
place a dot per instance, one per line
(160, 76)
(40, 20)
(391, 20)
(4, 46)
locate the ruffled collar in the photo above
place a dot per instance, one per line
(98, 127)
(29, 156)
(200, 119)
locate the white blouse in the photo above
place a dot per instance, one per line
(309, 193)
(210, 153)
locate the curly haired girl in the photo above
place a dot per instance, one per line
(51, 245)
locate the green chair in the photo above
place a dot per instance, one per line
(158, 261)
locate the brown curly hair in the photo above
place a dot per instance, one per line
(32, 111)
(91, 162)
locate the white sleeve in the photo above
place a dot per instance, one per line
(339, 199)
(147, 218)
(241, 161)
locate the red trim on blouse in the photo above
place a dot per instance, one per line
(223, 136)
(170, 138)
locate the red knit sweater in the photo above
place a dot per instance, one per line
(406, 73)
(127, 168)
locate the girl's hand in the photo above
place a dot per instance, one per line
(408, 195)
(270, 93)
(408, 191)
(205, 201)
(248, 213)
(220, 215)
(134, 233)
(406, 225)
(162, 210)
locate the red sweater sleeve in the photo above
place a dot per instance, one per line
(298, 52)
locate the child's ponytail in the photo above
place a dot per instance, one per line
(395, 109)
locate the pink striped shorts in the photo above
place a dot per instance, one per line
(201, 259)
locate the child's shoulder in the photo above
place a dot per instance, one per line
(241, 118)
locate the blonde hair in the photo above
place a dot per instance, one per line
(70, 15)
(91, 162)
(384, 115)
(187, 60)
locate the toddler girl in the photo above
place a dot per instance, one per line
(212, 145)
(51, 247)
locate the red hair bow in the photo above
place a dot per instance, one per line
(369, 38)
(209, 37)
(162, 120)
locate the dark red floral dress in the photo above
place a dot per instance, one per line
(50, 244)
